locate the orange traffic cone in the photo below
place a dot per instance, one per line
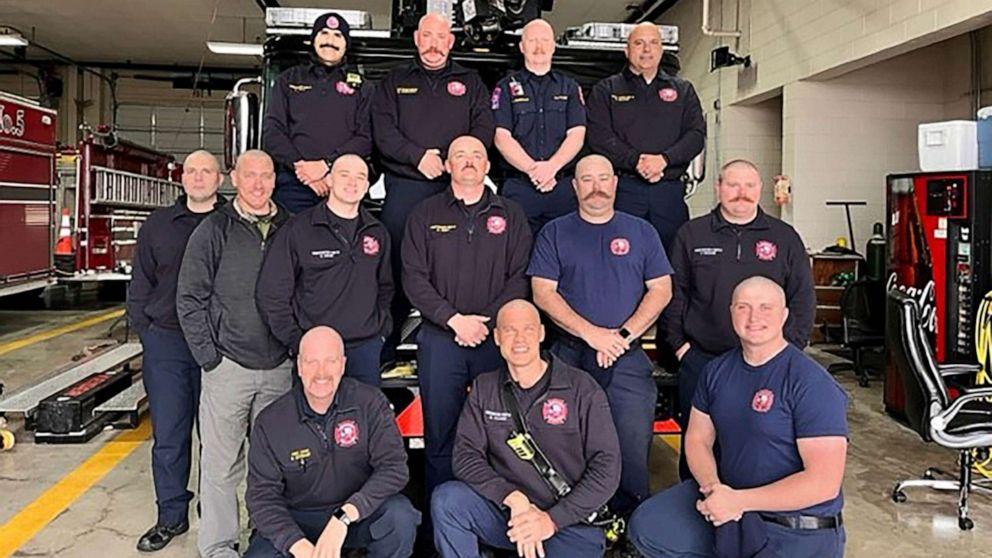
(65, 260)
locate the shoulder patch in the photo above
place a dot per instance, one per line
(494, 100)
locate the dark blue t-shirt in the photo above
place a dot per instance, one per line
(600, 269)
(760, 411)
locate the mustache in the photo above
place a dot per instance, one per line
(742, 198)
(328, 45)
(433, 50)
(597, 193)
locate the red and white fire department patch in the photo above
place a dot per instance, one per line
(370, 245)
(346, 433)
(494, 100)
(763, 400)
(555, 411)
(344, 89)
(668, 94)
(766, 250)
(456, 88)
(620, 246)
(496, 225)
(333, 23)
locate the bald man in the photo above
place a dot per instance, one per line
(170, 373)
(330, 265)
(499, 499)
(540, 128)
(650, 125)
(326, 465)
(602, 276)
(464, 256)
(418, 109)
(712, 254)
(780, 421)
(244, 366)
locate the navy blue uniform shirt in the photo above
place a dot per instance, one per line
(317, 112)
(538, 110)
(760, 411)
(600, 269)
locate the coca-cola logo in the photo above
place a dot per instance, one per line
(11, 125)
(924, 297)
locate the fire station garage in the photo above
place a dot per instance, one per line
(732, 296)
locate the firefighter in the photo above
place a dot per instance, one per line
(418, 110)
(326, 465)
(170, 373)
(780, 421)
(650, 125)
(464, 256)
(317, 112)
(602, 277)
(499, 499)
(330, 266)
(540, 127)
(244, 366)
(713, 253)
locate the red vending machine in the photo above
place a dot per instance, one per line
(939, 251)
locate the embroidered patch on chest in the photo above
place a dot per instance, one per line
(766, 250)
(370, 245)
(763, 400)
(555, 411)
(620, 246)
(346, 433)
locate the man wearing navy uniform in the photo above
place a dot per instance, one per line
(499, 499)
(316, 113)
(418, 110)
(712, 254)
(330, 266)
(464, 256)
(779, 419)
(650, 125)
(540, 127)
(602, 276)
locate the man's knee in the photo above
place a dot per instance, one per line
(260, 547)
(448, 498)
(401, 518)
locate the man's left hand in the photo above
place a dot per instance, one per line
(332, 539)
(651, 167)
(310, 171)
(722, 504)
(542, 175)
(530, 529)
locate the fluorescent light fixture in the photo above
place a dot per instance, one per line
(238, 49)
(12, 39)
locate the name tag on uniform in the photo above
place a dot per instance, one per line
(300, 454)
(443, 228)
(299, 88)
(708, 251)
(352, 78)
(622, 98)
(497, 416)
(520, 100)
(324, 254)
(407, 90)
(561, 97)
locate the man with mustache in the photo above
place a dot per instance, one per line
(602, 276)
(650, 125)
(317, 112)
(540, 126)
(712, 254)
(418, 110)
(330, 266)
(464, 256)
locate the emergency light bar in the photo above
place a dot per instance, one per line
(303, 18)
(599, 32)
(238, 49)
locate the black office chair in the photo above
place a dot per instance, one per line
(964, 424)
(862, 307)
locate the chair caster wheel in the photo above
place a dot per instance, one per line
(966, 524)
(6, 440)
(928, 474)
(898, 496)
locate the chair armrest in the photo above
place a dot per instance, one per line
(939, 421)
(947, 370)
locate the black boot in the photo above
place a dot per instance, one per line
(158, 536)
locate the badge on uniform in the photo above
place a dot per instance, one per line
(344, 89)
(442, 228)
(763, 400)
(496, 224)
(299, 88)
(621, 98)
(456, 88)
(516, 90)
(766, 250)
(620, 246)
(555, 411)
(370, 245)
(494, 100)
(407, 90)
(346, 433)
(353, 79)
(668, 94)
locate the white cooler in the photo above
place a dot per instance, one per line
(948, 146)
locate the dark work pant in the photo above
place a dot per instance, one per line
(402, 195)
(463, 518)
(668, 526)
(690, 368)
(633, 395)
(363, 362)
(293, 194)
(388, 533)
(541, 207)
(172, 382)
(662, 204)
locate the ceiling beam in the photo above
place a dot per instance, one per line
(263, 4)
(649, 10)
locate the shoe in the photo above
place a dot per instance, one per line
(158, 536)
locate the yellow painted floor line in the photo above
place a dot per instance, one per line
(61, 330)
(39, 513)
(674, 441)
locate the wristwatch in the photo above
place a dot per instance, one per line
(341, 516)
(625, 333)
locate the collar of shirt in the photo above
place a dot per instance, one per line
(635, 80)
(323, 217)
(559, 379)
(251, 217)
(488, 199)
(717, 222)
(321, 70)
(180, 209)
(527, 75)
(306, 414)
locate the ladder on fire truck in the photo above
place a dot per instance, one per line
(126, 189)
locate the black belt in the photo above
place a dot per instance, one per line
(805, 522)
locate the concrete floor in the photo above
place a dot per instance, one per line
(107, 519)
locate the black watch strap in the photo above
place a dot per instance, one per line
(341, 516)
(625, 333)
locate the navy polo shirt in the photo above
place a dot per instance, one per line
(760, 411)
(600, 268)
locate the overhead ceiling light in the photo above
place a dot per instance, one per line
(12, 38)
(238, 49)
